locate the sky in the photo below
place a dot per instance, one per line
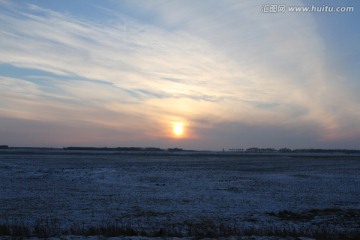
(202, 75)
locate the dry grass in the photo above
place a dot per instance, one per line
(205, 229)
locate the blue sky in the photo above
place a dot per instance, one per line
(124, 73)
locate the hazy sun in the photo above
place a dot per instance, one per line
(178, 129)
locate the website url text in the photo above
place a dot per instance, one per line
(279, 8)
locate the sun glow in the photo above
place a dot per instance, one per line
(178, 129)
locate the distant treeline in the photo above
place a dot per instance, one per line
(155, 149)
(128, 149)
(288, 150)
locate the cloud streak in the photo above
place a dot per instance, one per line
(165, 60)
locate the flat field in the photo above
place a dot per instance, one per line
(182, 195)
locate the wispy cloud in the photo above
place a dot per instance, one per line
(225, 61)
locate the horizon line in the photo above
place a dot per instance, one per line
(134, 148)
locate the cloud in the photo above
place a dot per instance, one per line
(146, 61)
(164, 60)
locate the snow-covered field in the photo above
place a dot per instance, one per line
(155, 191)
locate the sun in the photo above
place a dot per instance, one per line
(178, 129)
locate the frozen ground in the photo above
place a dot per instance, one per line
(155, 191)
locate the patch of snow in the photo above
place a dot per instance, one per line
(156, 190)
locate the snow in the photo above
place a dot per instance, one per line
(90, 189)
